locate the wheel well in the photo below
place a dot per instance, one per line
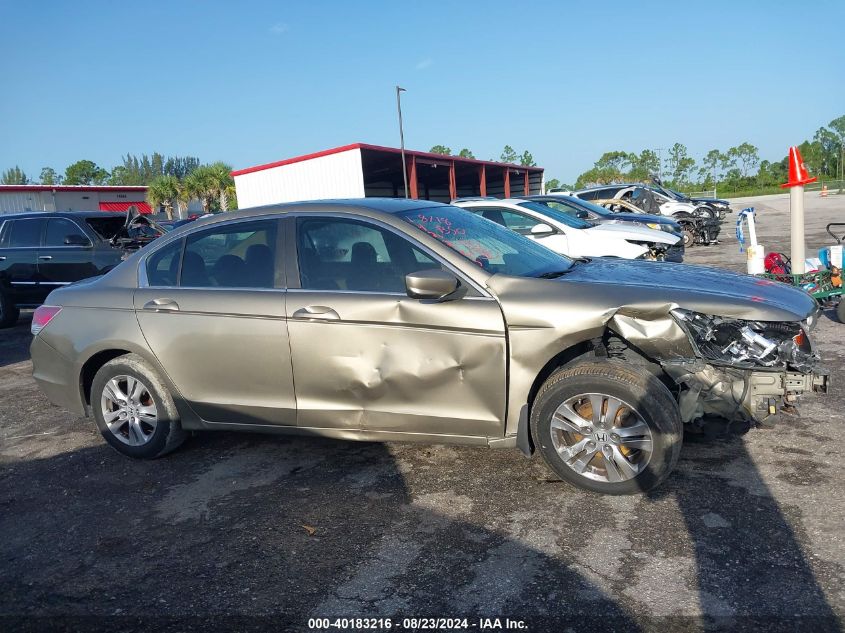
(610, 345)
(92, 366)
(565, 357)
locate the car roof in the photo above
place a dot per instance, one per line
(61, 214)
(494, 202)
(375, 206)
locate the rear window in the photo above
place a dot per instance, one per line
(24, 233)
(107, 227)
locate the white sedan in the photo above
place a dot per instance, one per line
(575, 237)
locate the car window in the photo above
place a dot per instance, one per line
(241, 255)
(163, 265)
(346, 254)
(26, 233)
(518, 222)
(591, 194)
(58, 229)
(106, 227)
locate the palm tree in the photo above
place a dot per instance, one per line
(200, 184)
(163, 190)
(223, 182)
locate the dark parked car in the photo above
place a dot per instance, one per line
(41, 251)
(589, 211)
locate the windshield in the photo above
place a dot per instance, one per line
(558, 215)
(485, 243)
(571, 204)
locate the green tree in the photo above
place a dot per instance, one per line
(14, 176)
(711, 167)
(50, 177)
(85, 172)
(509, 155)
(643, 166)
(679, 164)
(527, 159)
(200, 184)
(164, 191)
(552, 183)
(465, 153)
(746, 156)
(441, 149)
(223, 183)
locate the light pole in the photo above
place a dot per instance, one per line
(402, 137)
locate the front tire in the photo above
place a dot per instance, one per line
(689, 237)
(134, 410)
(607, 427)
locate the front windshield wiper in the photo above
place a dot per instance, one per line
(554, 274)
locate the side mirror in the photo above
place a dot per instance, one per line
(540, 230)
(75, 239)
(430, 284)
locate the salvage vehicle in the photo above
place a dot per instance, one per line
(647, 198)
(569, 235)
(407, 320)
(595, 213)
(40, 251)
(695, 229)
(719, 207)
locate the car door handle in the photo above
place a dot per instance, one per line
(45, 257)
(2, 258)
(316, 312)
(168, 305)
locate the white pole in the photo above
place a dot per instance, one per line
(752, 229)
(796, 215)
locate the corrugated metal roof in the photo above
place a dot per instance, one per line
(378, 148)
(100, 188)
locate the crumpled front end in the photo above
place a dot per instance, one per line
(733, 368)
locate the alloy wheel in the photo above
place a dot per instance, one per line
(601, 437)
(129, 410)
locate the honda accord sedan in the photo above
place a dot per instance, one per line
(382, 319)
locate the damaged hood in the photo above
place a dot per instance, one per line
(604, 286)
(638, 233)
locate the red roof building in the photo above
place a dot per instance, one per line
(361, 170)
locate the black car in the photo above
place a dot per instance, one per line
(41, 251)
(589, 211)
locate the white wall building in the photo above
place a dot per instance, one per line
(360, 170)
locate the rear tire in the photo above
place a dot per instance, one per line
(631, 451)
(9, 312)
(689, 237)
(134, 410)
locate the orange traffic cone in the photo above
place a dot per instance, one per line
(798, 176)
(823, 194)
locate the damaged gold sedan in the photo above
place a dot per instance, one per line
(408, 320)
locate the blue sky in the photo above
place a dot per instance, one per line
(251, 82)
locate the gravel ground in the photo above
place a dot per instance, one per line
(242, 532)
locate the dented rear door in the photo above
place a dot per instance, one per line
(368, 357)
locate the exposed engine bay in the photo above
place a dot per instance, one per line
(739, 369)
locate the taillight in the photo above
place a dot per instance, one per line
(43, 315)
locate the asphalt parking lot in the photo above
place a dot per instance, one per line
(747, 533)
